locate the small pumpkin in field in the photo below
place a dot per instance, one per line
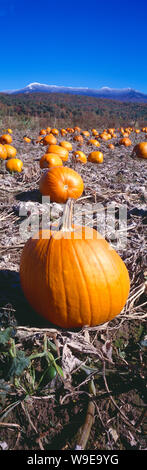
(39, 139)
(141, 150)
(48, 130)
(63, 132)
(78, 138)
(70, 130)
(54, 131)
(27, 139)
(49, 139)
(11, 151)
(111, 146)
(95, 157)
(61, 183)
(72, 277)
(61, 151)
(42, 132)
(9, 131)
(77, 129)
(93, 142)
(49, 160)
(85, 133)
(94, 132)
(125, 141)
(80, 156)
(5, 139)
(66, 145)
(3, 152)
(14, 164)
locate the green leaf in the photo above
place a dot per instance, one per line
(5, 336)
(19, 363)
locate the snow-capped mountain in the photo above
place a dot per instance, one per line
(124, 94)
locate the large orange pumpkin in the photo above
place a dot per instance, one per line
(61, 151)
(14, 164)
(60, 183)
(72, 277)
(141, 149)
(50, 159)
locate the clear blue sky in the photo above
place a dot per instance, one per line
(74, 43)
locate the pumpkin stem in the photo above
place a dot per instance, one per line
(66, 222)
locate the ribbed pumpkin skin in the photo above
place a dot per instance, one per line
(73, 282)
(49, 160)
(61, 183)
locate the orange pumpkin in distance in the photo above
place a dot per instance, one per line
(42, 132)
(111, 146)
(71, 277)
(63, 132)
(93, 142)
(78, 138)
(5, 139)
(86, 133)
(54, 131)
(125, 141)
(95, 157)
(49, 160)
(27, 139)
(61, 183)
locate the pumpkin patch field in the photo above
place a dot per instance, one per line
(73, 288)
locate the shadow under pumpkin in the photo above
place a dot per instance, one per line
(14, 308)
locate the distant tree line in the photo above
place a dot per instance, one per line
(73, 109)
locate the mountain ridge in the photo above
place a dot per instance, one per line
(124, 94)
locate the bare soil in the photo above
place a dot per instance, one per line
(52, 417)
